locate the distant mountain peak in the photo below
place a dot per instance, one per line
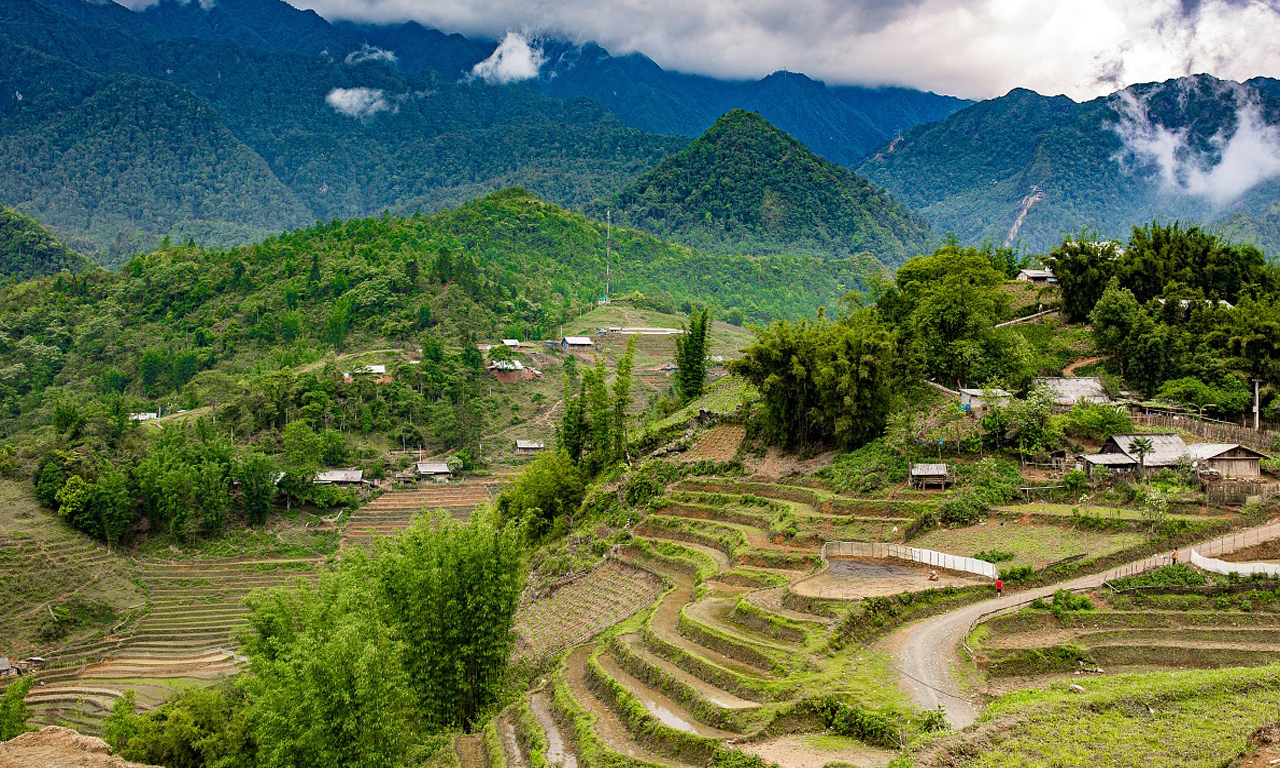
(745, 186)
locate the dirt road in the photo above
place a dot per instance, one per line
(927, 653)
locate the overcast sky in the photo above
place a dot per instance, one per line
(970, 48)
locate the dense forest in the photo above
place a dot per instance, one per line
(746, 187)
(28, 251)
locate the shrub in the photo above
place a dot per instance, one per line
(963, 509)
(1017, 573)
(994, 556)
(847, 720)
(871, 467)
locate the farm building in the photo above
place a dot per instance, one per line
(377, 372)
(435, 471)
(7, 669)
(577, 342)
(972, 399)
(1070, 390)
(506, 365)
(925, 476)
(1169, 450)
(1039, 276)
(148, 416)
(511, 343)
(1228, 459)
(344, 477)
(530, 446)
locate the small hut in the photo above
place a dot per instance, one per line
(433, 471)
(529, 447)
(926, 476)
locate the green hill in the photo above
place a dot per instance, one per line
(746, 187)
(507, 264)
(27, 250)
(1026, 168)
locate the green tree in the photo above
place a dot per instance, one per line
(256, 474)
(451, 591)
(1082, 266)
(622, 399)
(1143, 447)
(691, 356)
(14, 711)
(550, 490)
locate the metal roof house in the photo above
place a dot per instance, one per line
(530, 446)
(1070, 390)
(1228, 459)
(1036, 276)
(340, 477)
(7, 669)
(506, 365)
(378, 372)
(973, 399)
(577, 341)
(1169, 450)
(512, 343)
(925, 476)
(435, 471)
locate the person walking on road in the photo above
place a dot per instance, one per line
(1173, 558)
(999, 587)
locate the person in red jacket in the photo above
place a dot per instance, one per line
(999, 588)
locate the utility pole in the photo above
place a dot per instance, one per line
(1256, 404)
(608, 244)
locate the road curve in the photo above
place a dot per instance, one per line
(927, 652)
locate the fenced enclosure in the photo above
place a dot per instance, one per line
(885, 551)
(1214, 432)
(1223, 568)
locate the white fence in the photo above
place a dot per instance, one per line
(1222, 567)
(913, 554)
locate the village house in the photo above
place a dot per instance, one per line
(1070, 390)
(341, 477)
(1169, 450)
(147, 416)
(7, 668)
(511, 343)
(577, 342)
(433, 471)
(377, 372)
(925, 476)
(975, 400)
(1037, 276)
(527, 447)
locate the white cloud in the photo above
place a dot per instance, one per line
(974, 48)
(359, 103)
(370, 53)
(515, 59)
(1246, 156)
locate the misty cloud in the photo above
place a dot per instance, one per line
(972, 48)
(515, 59)
(370, 53)
(1240, 161)
(360, 103)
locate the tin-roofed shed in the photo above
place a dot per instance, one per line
(925, 476)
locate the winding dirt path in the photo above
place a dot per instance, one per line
(927, 654)
(1070, 370)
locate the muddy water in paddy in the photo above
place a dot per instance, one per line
(660, 705)
(558, 752)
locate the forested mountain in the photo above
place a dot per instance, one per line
(1026, 168)
(507, 264)
(117, 138)
(28, 251)
(746, 187)
(268, 117)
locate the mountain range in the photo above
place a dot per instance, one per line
(226, 122)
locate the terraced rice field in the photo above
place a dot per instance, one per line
(695, 667)
(187, 636)
(395, 511)
(719, 443)
(583, 608)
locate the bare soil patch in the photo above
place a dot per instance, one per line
(796, 751)
(854, 579)
(55, 747)
(1265, 748)
(718, 444)
(776, 465)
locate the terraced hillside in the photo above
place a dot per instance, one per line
(723, 655)
(395, 510)
(186, 636)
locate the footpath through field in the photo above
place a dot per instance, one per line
(926, 653)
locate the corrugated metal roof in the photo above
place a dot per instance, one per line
(1211, 450)
(1071, 390)
(975, 392)
(1166, 449)
(340, 476)
(507, 365)
(579, 341)
(530, 444)
(511, 342)
(1110, 460)
(433, 468)
(928, 470)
